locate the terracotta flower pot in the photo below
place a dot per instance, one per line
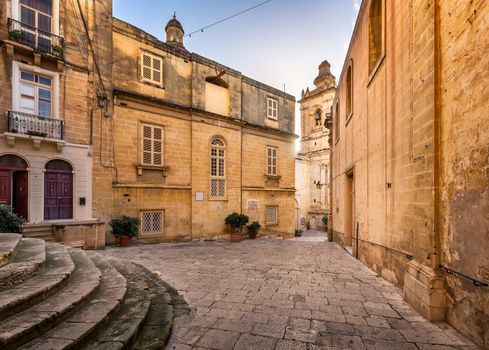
(235, 237)
(125, 241)
(253, 234)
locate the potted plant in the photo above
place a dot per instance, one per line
(325, 221)
(57, 49)
(124, 228)
(236, 222)
(9, 221)
(253, 229)
(17, 35)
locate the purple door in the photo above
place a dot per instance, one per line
(58, 195)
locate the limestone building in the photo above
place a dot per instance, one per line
(410, 154)
(47, 95)
(312, 161)
(189, 141)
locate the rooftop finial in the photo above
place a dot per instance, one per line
(175, 15)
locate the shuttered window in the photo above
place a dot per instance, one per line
(272, 108)
(271, 215)
(152, 69)
(151, 145)
(151, 222)
(218, 172)
(271, 161)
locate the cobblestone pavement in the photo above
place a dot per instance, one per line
(275, 294)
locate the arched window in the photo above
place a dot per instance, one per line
(349, 92)
(317, 117)
(375, 24)
(336, 120)
(12, 161)
(59, 165)
(218, 169)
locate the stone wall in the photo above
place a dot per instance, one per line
(409, 165)
(464, 162)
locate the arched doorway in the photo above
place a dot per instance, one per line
(58, 190)
(14, 184)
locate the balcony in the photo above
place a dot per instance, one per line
(33, 125)
(41, 41)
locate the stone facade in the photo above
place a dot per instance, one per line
(46, 123)
(410, 156)
(192, 101)
(312, 161)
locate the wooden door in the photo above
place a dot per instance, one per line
(5, 187)
(58, 195)
(21, 197)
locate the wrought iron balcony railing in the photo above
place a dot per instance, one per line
(28, 124)
(39, 40)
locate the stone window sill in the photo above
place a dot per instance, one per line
(164, 169)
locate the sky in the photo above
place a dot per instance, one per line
(279, 43)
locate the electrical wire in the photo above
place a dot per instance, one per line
(201, 30)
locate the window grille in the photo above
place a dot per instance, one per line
(151, 222)
(152, 68)
(271, 215)
(218, 172)
(272, 108)
(151, 145)
(271, 161)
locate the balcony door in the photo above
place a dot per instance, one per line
(37, 15)
(35, 94)
(58, 191)
(14, 184)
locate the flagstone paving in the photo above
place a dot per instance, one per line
(286, 294)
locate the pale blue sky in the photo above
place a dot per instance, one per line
(281, 42)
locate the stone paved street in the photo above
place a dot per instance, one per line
(294, 294)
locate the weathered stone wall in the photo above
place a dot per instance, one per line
(179, 106)
(464, 168)
(411, 162)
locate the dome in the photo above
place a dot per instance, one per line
(174, 23)
(324, 78)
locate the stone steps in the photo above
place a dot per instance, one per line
(30, 259)
(8, 246)
(57, 268)
(41, 231)
(82, 300)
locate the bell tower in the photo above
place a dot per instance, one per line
(174, 32)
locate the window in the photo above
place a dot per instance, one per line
(271, 215)
(337, 121)
(35, 94)
(37, 14)
(151, 222)
(151, 69)
(151, 145)
(349, 93)
(271, 161)
(375, 23)
(272, 108)
(317, 117)
(218, 173)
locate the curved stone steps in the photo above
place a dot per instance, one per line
(34, 321)
(57, 268)
(8, 246)
(124, 324)
(88, 317)
(156, 329)
(28, 260)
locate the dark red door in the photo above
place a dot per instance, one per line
(21, 193)
(58, 195)
(5, 187)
